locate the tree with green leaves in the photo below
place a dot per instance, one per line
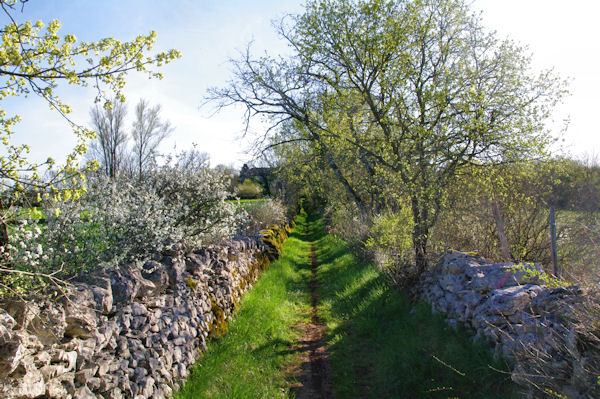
(36, 59)
(414, 90)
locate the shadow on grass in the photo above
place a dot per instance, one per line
(382, 346)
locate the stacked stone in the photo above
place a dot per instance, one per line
(523, 319)
(131, 332)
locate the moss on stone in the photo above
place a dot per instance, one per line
(219, 324)
(191, 283)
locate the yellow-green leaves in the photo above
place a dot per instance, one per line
(36, 58)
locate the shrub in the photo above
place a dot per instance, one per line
(120, 221)
(344, 220)
(249, 189)
(579, 246)
(262, 214)
(520, 193)
(390, 241)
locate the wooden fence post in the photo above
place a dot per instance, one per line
(553, 242)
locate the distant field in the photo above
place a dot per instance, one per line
(247, 201)
(244, 203)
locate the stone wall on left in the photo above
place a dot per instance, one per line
(130, 332)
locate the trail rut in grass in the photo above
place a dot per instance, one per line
(315, 382)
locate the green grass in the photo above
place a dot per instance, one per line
(251, 359)
(244, 203)
(383, 347)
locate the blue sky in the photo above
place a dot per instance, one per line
(560, 34)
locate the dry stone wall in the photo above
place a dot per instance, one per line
(537, 328)
(131, 332)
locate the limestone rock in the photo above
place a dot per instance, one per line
(84, 393)
(103, 297)
(29, 385)
(128, 332)
(11, 350)
(521, 319)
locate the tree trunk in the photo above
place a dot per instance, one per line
(420, 235)
(339, 175)
(3, 225)
(420, 245)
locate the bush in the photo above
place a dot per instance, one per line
(579, 246)
(344, 220)
(390, 242)
(249, 189)
(262, 214)
(521, 194)
(120, 221)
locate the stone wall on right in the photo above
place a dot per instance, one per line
(551, 336)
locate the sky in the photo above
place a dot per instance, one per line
(559, 34)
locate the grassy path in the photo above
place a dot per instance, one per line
(383, 347)
(314, 379)
(379, 346)
(255, 358)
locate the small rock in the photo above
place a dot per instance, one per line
(55, 389)
(31, 385)
(148, 387)
(12, 351)
(84, 393)
(83, 375)
(137, 309)
(140, 373)
(7, 321)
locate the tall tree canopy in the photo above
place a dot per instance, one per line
(398, 91)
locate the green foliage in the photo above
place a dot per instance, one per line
(391, 233)
(522, 193)
(390, 241)
(383, 101)
(249, 189)
(530, 272)
(35, 59)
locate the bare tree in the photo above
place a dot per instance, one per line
(109, 148)
(148, 132)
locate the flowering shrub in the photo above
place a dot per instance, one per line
(344, 220)
(25, 253)
(262, 214)
(120, 221)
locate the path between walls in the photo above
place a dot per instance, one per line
(315, 376)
